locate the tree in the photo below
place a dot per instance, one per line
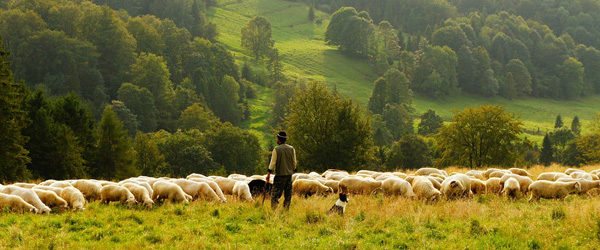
(148, 158)
(517, 79)
(226, 101)
(13, 119)
(236, 149)
(70, 111)
(430, 123)
(115, 157)
(452, 36)
(127, 118)
(435, 75)
(398, 119)
(197, 117)
(275, 66)
(328, 131)
(398, 90)
(141, 103)
(311, 13)
(283, 94)
(185, 153)
(558, 123)
(378, 97)
(589, 146)
(546, 155)
(256, 36)
(350, 31)
(576, 126)
(482, 136)
(410, 152)
(571, 78)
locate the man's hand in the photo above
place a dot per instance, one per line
(268, 176)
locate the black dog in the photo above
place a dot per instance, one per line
(340, 205)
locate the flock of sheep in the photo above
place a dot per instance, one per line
(425, 184)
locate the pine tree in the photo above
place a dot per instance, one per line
(13, 119)
(558, 123)
(114, 154)
(547, 151)
(378, 97)
(576, 126)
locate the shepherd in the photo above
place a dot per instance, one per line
(283, 163)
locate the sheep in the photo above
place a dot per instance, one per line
(16, 203)
(139, 181)
(519, 171)
(24, 185)
(358, 185)
(477, 186)
(336, 176)
(194, 175)
(366, 172)
(197, 189)
(437, 182)
(56, 190)
(225, 184)
(475, 174)
(28, 196)
(241, 190)
(551, 176)
(61, 184)
(549, 190)
(90, 189)
(334, 185)
(74, 197)
(511, 188)
(140, 193)
(492, 185)
(164, 190)
(458, 185)
(524, 181)
(586, 185)
(50, 199)
(584, 175)
(489, 171)
(428, 171)
(569, 171)
(499, 173)
(47, 182)
(309, 187)
(397, 186)
(423, 189)
(401, 175)
(110, 193)
(215, 187)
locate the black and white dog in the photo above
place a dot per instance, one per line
(340, 205)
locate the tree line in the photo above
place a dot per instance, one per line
(480, 52)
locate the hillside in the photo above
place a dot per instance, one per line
(306, 56)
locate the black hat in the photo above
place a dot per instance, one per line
(282, 135)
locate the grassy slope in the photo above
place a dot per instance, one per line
(306, 56)
(485, 222)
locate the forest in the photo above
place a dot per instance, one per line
(112, 89)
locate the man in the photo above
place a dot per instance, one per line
(283, 163)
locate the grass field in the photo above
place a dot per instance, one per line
(485, 222)
(306, 56)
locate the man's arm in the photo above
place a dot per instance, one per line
(273, 162)
(295, 162)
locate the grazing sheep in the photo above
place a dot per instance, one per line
(519, 171)
(551, 176)
(74, 197)
(241, 190)
(194, 175)
(511, 188)
(61, 184)
(489, 171)
(477, 174)
(428, 171)
(584, 175)
(334, 185)
(56, 190)
(336, 175)
(164, 190)
(458, 185)
(140, 193)
(90, 189)
(499, 173)
(397, 186)
(423, 189)
(16, 204)
(366, 172)
(110, 193)
(492, 185)
(358, 185)
(569, 171)
(24, 185)
(399, 174)
(212, 185)
(437, 182)
(197, 189)
(47, 182)
(51, 199)
(225, 184)
(550, 190)
(586, 185)
(309, 187)
(524, 181)
(477, 186)
(28, 196)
